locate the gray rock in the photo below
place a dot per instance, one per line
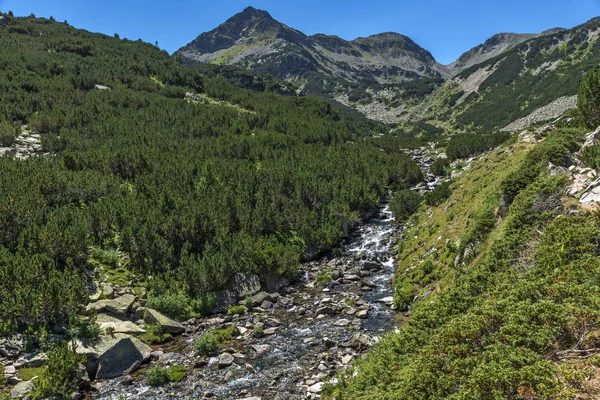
(325, 310)
(98, 305)
(21, 390)
(139, 313)
(35, 361)
(244, 284)
(167, 324)
(274, 282)
(113, 356)
(224, 299)
(371, 266)
(316, 388)
(225, 360)
(12, 347)
(260, 349)
(389, 300)
(258, 298)
(101, 87)
(127, 327)
(108, 291)
(121, 304)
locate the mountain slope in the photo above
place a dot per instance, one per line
(492, 47)
(514, 84)
(391, 79)
(252, 39)
(499, 283)
(154, 169)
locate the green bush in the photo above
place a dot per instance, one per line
(591, 156)
(324, 276)
(467, 145)
(155, 335)
(207, 344)
(556, 148)
(439, 195)
(440, 166)
(62, 376)
(588, 99)
(176, 373)
(236, 310)
(404, 204)
(404, 295)
(157, 376)
(8, 133)
(176, 306)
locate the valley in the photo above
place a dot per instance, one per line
(270, 215)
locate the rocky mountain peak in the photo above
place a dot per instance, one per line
(250, 24)
(492, 47)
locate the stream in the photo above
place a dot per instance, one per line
(293, 341)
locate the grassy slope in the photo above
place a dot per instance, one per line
(504, 324)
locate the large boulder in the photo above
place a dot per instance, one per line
(111, 356)
(224, 299)
(274, 282)
(12, 346)
(21, 390)
(121, 305)
(168, 325)
(244, 284)
(225, 360)
(118, 324)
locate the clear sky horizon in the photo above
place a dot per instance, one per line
(444, 28)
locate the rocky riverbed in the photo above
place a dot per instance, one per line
(292, 340)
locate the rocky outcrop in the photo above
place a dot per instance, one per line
(26, 145)
(168, 325)
(112, 356)
(550, 111)
(244, 284)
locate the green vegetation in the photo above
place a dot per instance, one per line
(62, 376)
(158, 376)
(236, 310)
(194, 191)
(207, 344)
(404, 204)
(176, 306)
(324, 276)
(440, 166)
(438, 195)
(154, 335)
(509, 317)
(467, 145)
(28, 374)
(557, 149)
(588, 99)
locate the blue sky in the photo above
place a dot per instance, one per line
(445, 28)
